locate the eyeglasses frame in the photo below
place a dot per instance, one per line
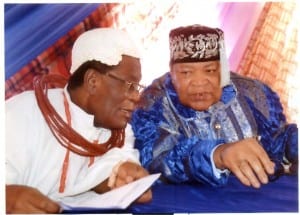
(136, 86)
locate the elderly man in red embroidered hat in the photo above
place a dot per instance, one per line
(199, 122)
(66, 141)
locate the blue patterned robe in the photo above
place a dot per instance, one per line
(177, 140)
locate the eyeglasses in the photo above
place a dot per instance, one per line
(130, 86)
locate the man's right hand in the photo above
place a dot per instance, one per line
(23, 199)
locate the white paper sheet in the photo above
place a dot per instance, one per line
(119, 198)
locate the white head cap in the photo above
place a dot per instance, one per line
(106, 45)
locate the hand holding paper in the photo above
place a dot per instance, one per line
(119, 198)
(127, 172)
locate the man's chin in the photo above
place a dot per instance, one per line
(122, 123)
(119, 120)
(200, 107)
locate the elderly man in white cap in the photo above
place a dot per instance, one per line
(69, 140)
(198, 122)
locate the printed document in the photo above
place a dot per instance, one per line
(119, 198)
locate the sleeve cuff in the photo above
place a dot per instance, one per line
(217, 172)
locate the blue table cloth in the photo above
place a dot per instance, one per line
(277, 196)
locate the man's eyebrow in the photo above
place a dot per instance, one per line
(210, 64)
(188, 66)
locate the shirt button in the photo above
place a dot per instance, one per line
(217, 126)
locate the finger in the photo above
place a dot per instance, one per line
(247, 171)
(120, 181)
(129, 172)
(42, 203)
(260, 172)
(136, 171)
(32, 208)
(145, 197)
(112, 179)
(49, 206)
(129, 179)
(267, 164)
(238, 173)
(140, 172)
(123, 175)
(123, 171)
(129, 169)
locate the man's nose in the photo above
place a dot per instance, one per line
(134, 96)
(199, 80)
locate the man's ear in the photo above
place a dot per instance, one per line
(91, 81)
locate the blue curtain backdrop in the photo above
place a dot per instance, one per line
(29, 29)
